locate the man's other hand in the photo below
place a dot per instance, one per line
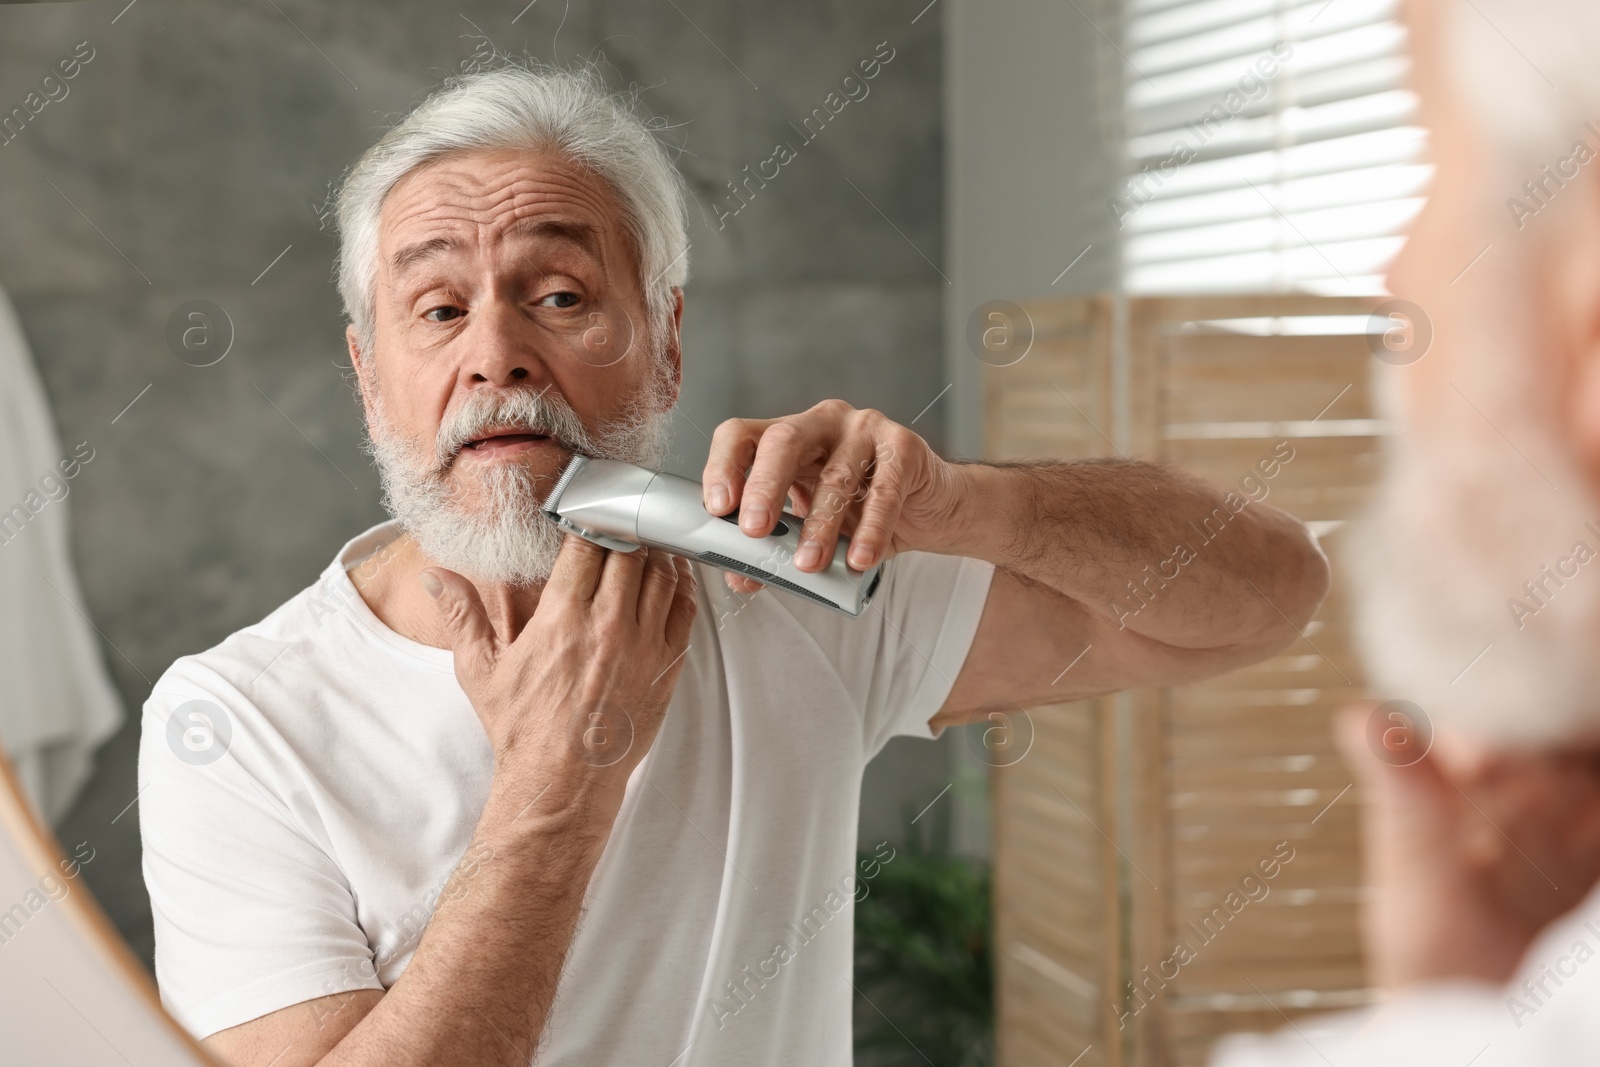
(587, 681)
(1470, 853)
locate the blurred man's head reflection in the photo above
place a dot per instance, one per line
(1481, 572)
(1480, 569)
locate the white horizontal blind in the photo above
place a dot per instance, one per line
(1272, 146)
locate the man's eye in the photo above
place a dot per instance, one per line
(560, 300)
(449, 313)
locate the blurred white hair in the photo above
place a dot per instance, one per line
(532, 107)
(1477, 567)
(1472, 597)
(1529, 69)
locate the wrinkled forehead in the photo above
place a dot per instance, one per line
(484, 199)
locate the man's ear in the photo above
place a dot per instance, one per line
(363, 370)
(674, 353)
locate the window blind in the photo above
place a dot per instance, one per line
(1272, 146)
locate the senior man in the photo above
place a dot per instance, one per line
(1480, 572)
(483, 795)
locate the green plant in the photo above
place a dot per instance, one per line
(923, 959)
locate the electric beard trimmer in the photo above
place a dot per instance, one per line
(620, 506)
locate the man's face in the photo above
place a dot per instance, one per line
(511, 332)
(1486, 483)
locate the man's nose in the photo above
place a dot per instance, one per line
(504, 347)
(1397, 276)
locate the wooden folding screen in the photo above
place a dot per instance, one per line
(1122, 831)
(1057, 914)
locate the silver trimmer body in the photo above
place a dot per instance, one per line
(621, 506)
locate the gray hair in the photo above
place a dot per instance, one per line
(522, 106)
(1535, 95)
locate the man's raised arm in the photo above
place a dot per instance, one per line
(1114, 574)
(1108, 574)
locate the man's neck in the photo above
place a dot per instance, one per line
(390, 584)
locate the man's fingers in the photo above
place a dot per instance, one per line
(842, 484)
(576, 575)
(1350, 735)
(740, 584)
(1412, 807)
(618, 588)
(784, 446)
(681, 614)
(880, 513)
(733, 446)
(658, 581)
(466, 624)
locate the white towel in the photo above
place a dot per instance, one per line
(56, 700)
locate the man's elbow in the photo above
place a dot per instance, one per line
(1286, 594)
(1299, 584)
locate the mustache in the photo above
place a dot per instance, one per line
(540, 412)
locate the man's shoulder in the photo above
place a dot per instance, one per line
(251, 648)
(291, 638)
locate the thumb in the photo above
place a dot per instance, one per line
(466, 624)
(1411, 805)
(1381, 747)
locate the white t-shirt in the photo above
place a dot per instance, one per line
(1545, 1016)
(300, 821)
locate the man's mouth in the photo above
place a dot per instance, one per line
(505, 442)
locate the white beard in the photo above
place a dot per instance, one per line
(1461, 522)
(505, 539)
